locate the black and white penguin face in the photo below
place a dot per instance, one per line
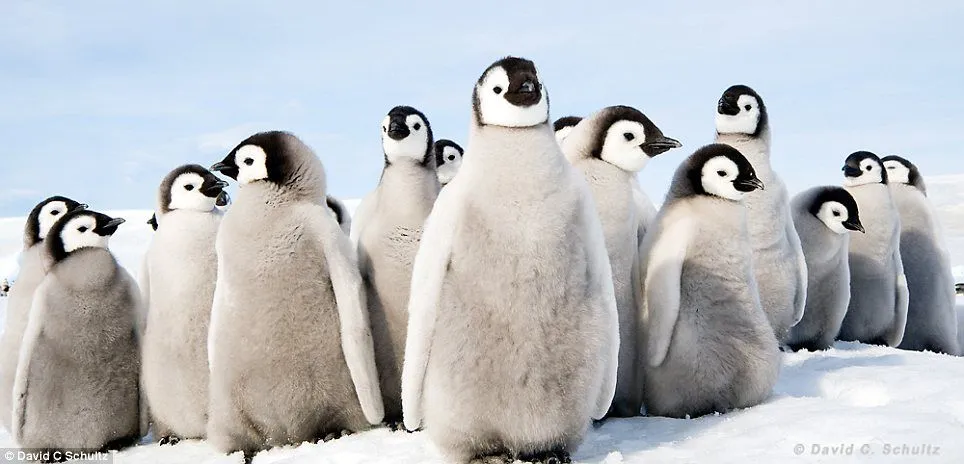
(837, 209)
(563, 126)
(740, 111)
(191, 187)
(509, 94)
(897, 172)
(723, 171)
(406, 133)
(448, 158)
(43, 216)
(82, 229)
(862, 168)
(260, 157)
(630, 140)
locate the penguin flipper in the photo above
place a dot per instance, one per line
(362, 213)
(21, 381)
(667, 244)
(356, 329)
(216, 306)
(428, 275)
(645, 213)
(896, 334)
(800, 299)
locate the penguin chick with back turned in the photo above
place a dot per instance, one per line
(77, 382)
(387, 231)
(291, 358)
(39, 222)
(448, 160)
(931, 312)
(877, 313)
(177, 283)
(513, 333)
(705, 345)
(742, 121)
(824, 217)
(342, 216)
(609, 148)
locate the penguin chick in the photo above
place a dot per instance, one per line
(563, 126)
(342, 216)
(448, 160)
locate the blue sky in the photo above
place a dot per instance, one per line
(100, 99)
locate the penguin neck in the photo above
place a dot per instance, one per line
(755, 149)
(505, 155)
(407, 183)
(271, 194)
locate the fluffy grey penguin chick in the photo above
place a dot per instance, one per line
(931, 312)
(77, 382)
(39, 222)
(742, 121)
(513, 333)
(609, 148)
(177, 283)
(338, 208)
(824, 217)
(877, 313)
(706, 344)
(448, 160)
(291, 358)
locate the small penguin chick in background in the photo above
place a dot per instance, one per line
(338, 208)
(448, 160)
(564, 125)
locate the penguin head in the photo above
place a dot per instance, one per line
(721, 170)
(406, 133)
(43, 217)
(563, 126)
(862, 168)
(900, 170)
(741, 111)
(448, 158)
(627, 139)
(837, 209)
(81, 229)
(153, 221)
(510, 94)
(278, 158)
(190, 187)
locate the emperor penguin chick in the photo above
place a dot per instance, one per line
(824, 217)
(609, 148)
(387, 230)
(177, 283)
(77, 383)
(706, 344)
(563, 126)
(39, 222)
(877, 313)
(291, 358)
(778, 262)
(448, 160)
(513, 333)
(931, 312)
(338, 208)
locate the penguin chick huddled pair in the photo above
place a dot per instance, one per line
(77, 383)
(824, 217)
(177, 283)
(609, 148)
(742, 121)
(931, 313)
(513, 333)
(291, 358)
(448, 160)
(39, 222)
(388, 228)
(706, 345)
(877, 313)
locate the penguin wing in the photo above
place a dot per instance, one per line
(666, 246)
(800, 300)
(364, 211)
(428, 274)
(217, 304)
(356, 329)
(144, 286)
(31, 337)
(645, 212)
(896, 334)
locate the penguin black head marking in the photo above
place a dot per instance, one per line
(43, 217)
(563, 126)
(628, 139)
(406, 133)
(79, 229)
(276, 157)
(741, 111)
(901, 170)
(722, 171)
(510, 94)
(837, 209)
(153, 221)
(864, 167)
(190, 187)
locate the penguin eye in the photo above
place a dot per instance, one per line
(869, 168)
(629, 136)
(54, 213)
(497, 90)
(451, 157)
(417, 126)
(721, 173)
(82, 229)
(248, 161)
(836, 213)
(188, 187)
(747, 107)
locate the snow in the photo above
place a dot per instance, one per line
(874, 398)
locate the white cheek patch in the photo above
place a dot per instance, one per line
(193, 199)
(834, 223)
(252, 164)
(871, 176)
(449, 168)
(495, 110)
(414, 146)
(897, 172)
(721, 186)
(79, 233)
(49, 215)
(625, 154)
(744, 122)
(561, 134)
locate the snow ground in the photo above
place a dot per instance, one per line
(876, 399)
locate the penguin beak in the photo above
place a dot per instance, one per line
(218, 167)
(854, 225)
(660, 145)
(851, 171)
(226, 167)
(526, 93)
(79, 207)
(727, 106)
(748, 185)
(397, 130)
(213, 187)
(110, 227)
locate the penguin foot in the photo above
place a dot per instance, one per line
(249, 456)
(336, 435)
(493, 459)
(548, 457)
(169, 440)
(597, 423)
(396, 426)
